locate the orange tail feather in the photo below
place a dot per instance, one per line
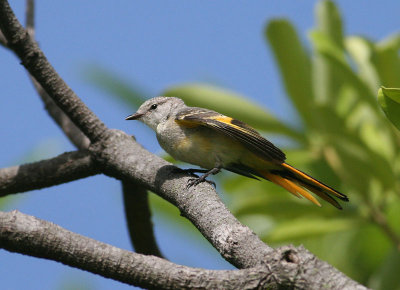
(291, 179)
(291, 187)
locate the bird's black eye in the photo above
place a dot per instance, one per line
(153, 107)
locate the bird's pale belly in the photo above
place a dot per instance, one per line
(201, 146)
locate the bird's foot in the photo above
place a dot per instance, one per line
(198, 180)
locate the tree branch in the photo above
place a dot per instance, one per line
(31, 236)
(38, 66)
(73, 133)
(63, 168)
(3, 40)
(379, 218)
(138, 217)
(30, 18)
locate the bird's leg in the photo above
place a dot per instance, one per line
(198, 180)
(190, 171)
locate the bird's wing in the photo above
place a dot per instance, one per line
(250, 138)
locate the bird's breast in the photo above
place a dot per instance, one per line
(196, 145)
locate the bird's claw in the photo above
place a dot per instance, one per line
(197, 181)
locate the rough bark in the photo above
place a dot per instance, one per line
(138, 217)
(61, 169)
(31, 236)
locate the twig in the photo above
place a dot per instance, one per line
(378, 217)
(73, 133)
(138, 217)
(30, 18)
(38, 66)
(63, 168)
(3, 40)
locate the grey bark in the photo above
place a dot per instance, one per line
(61, 169)
(29, 235)
(138, 217)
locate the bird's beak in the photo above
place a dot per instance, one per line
(134, 116)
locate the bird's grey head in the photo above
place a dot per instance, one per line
(157, 110)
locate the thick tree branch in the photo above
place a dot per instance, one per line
(63, 168)
(138, 217)
(31, 236)
(38, 66)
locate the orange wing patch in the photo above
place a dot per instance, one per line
(222, 118)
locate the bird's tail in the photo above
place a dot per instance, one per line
(294, 181)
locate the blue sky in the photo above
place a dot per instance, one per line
(153, 44)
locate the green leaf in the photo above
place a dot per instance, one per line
(171, 212)
(369, 248)
(362, 52)
(329, 21)
(387, 61)
(327, 50)
(109, 82)
(307, 227)
(294, 64)
(327, 79)
(389, 100)
(387, 276)
(169, 158)
(357, 166)
(393, 93)
(231, 104)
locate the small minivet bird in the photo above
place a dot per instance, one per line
(213, 141)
